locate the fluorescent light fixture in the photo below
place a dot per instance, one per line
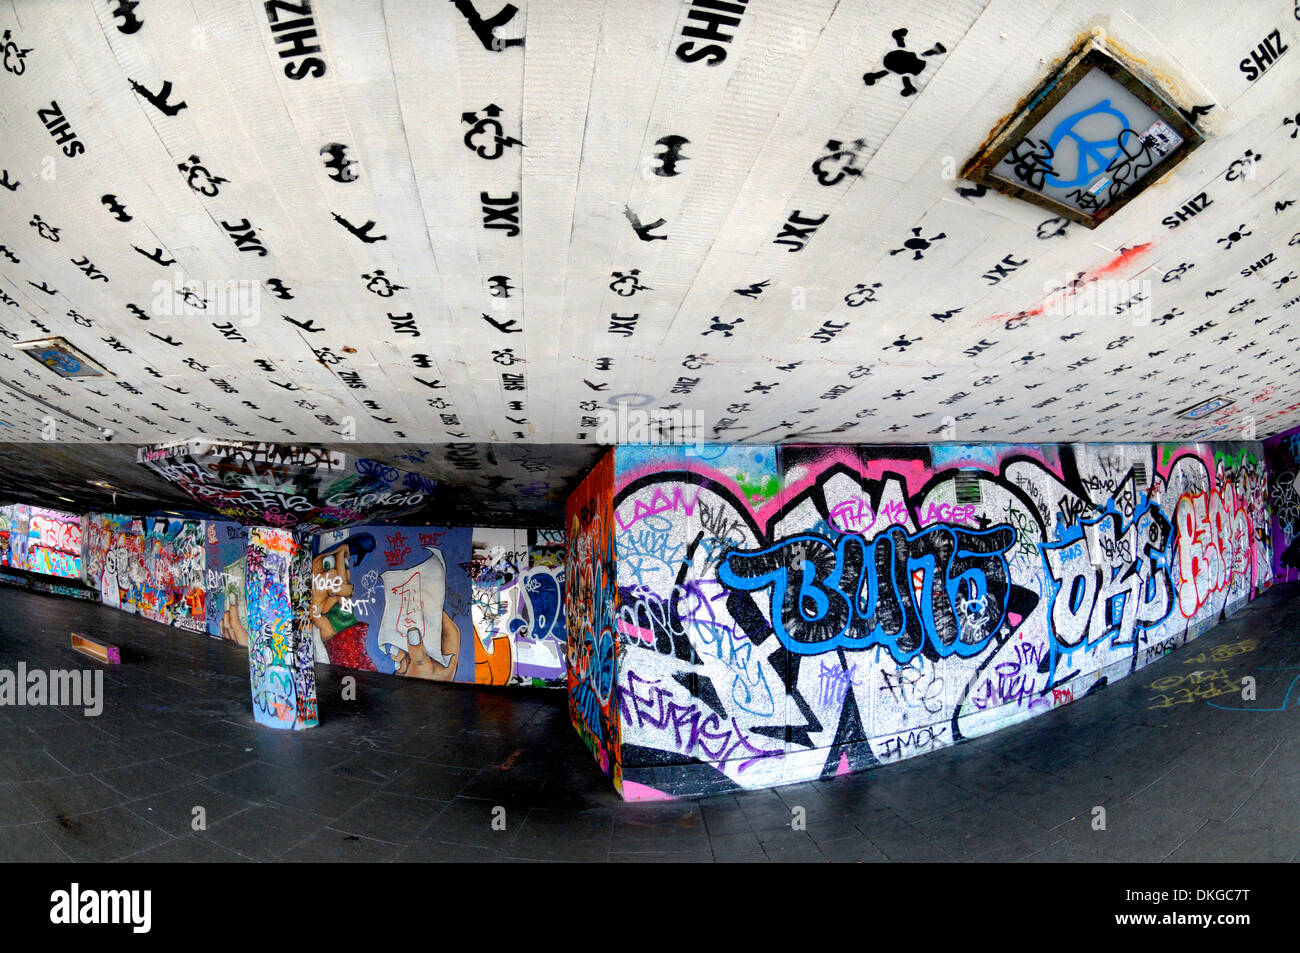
(1205, 407)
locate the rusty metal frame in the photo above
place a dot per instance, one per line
(1090, 54)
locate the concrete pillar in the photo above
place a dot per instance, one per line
(590, 611)
(281, 662)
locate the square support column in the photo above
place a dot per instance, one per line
(591, 607)
(281, 661)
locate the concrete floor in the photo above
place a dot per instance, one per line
(413, 771)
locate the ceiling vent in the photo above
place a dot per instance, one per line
(967, 485)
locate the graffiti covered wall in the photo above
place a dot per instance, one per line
(469, 605)
(1282, 454)
(43, 540)
(6, 524)
(446, 604)
(150, 566)
(225, 554)
(19, 514)
(789, 613)
(115, 558)
(591, 600)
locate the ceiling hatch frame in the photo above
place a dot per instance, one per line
(1091, 53)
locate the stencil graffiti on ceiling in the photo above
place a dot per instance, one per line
(270, 222)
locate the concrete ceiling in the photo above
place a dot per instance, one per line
(467, 222)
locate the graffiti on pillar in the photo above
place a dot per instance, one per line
(788, 613)
(591, 607)
(279, 657)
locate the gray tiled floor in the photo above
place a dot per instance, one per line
(420, 772)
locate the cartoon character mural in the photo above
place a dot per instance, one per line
(787, 613)
(444, 604)
(112, 577)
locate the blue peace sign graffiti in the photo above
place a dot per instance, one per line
(59, 361)
(1094, 154)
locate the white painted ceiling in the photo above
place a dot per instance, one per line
(589, 97)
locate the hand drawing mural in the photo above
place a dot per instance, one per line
(415, 632)
(785, 613)
(341, 639)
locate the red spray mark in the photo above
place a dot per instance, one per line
(1120, 262)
